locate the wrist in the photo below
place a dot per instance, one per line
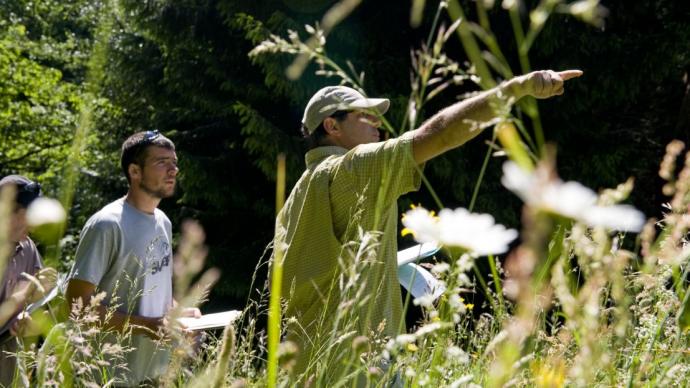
(515, 87)
(153, 327)
(156, 323)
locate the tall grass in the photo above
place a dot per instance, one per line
(274, 312)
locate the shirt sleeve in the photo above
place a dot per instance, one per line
(386, 168)
(95, 251)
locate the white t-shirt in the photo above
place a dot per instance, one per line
(127, 253)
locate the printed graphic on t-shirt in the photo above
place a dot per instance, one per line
(157, 279)
(157, 255)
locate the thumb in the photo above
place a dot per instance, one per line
(569, 74)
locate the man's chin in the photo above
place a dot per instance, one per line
(162, 194)
(168, 192)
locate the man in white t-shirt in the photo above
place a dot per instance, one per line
(125, 250)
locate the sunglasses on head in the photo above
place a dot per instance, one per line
(150, 136)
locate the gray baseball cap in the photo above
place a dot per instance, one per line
(330, 99)
(27, 190)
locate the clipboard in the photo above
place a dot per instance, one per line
(417, 280)
(417, 252)
(210, 321)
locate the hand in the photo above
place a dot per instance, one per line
(191, 312)
(48, 278)
(24, 326)
(194, 337)
(166, 323)
(541, 84)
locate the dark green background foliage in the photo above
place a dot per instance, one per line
(182, 67)
(44, 49)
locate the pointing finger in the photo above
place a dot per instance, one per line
(569, 74)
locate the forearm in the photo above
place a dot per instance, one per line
(82, 290)
(118, 321)
(140, 325)
(9, 308)
(462, 121)
(15, 302)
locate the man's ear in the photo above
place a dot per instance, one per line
(330, 125)
(134, 171)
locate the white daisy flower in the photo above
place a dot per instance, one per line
(569, 199)
(422, 223)
(477, 233)
(465, 263)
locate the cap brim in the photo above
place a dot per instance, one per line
(381, 105)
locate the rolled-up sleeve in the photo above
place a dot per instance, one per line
(386, 168)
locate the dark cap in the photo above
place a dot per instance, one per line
(27, 190)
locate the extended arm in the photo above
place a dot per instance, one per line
(460, 122)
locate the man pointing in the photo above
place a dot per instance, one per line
(351, 186)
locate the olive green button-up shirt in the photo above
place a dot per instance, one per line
(342, 196)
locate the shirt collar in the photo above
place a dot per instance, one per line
(19, 247)
(315, 156)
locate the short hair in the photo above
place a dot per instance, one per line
(315, 139)
(135, 147)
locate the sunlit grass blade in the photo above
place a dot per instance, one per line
(274, 313)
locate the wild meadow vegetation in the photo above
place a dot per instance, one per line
(586, 291)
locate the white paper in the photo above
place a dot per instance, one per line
(419, 282)
(417, 252)
(210, 321)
